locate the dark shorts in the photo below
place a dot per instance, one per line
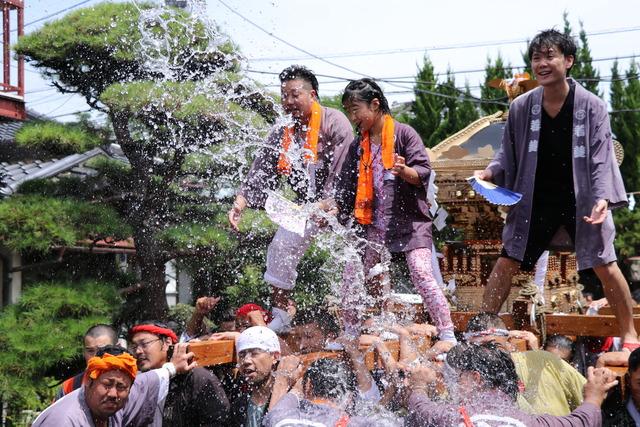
(545, 222)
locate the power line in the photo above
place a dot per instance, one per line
(306, 52)
(453, 46)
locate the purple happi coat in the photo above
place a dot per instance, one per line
(596, 174)
(333, 140)
(406, 209)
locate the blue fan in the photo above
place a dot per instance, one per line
(493, 193)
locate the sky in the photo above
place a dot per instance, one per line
(347, 39)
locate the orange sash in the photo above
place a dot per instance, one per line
(310, 143)
(364, 192)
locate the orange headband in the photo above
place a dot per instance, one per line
(99, 365)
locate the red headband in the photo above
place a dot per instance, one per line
(248, 308)
(155, 330)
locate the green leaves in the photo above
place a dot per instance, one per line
(44, 329)
(56, 138)
(36, 223)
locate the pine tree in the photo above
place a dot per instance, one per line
(467, 110)
(495, 70)
(583, 69)
(427, 107)
(626, 124)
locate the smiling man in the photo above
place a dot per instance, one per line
(308, 152)
(558, 153)
(193, 399)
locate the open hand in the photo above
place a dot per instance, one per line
(599, 382)
(598, 213)
(182, 358)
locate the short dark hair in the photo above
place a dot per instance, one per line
(634, 360)
(550, 38)
(329, 378)
(560, 341)
(114, 350)
(365, 90)
(484, 321)
(494, 365)
(299, 72)
(321, 317)
(102, 329)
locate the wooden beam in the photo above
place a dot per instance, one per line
(209, 353)
(608, 311)
(578, 324)
(461, 318)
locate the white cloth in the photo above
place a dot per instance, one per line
(258, 337)
(284, 254)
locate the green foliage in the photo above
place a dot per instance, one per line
(440, 109)
(334, 101)
(627, 240)
(44, 329)
(56, 138)
(494, 70)
(36, 223)
(582, 69)
(625, 124)
(426, 108)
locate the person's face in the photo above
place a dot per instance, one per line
(256, 365)
(363, 115)
(312, 338)
(634, 386)
(91, 345)
(562, 353)
(150, 350)
(107, 394)
(297, 98)
(469, 383)
(550, 65)
(228, 326)
(242, 323)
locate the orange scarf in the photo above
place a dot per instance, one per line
(310, 143)
(364, 193)
(99, 365)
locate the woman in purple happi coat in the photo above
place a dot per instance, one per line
(557, 151)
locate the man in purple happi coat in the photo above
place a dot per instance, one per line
(558, 153)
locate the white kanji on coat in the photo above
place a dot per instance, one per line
(535, 125)
(579, 151)
(533, 145)
(578, 131)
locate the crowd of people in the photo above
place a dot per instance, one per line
(308, 367)
(316, 374)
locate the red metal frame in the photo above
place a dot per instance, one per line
(11, 96)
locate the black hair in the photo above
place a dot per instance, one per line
(634, 360)
(485, 320)
(114, 350)
(329, 378)
(321, 317)
(102, 329)
(495, 366)
(550, 38)
(301, 72)
(561, 342)
(365, 90)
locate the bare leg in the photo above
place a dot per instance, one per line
(617, 292)
(499, 284)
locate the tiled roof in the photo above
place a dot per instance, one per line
(14, 174)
